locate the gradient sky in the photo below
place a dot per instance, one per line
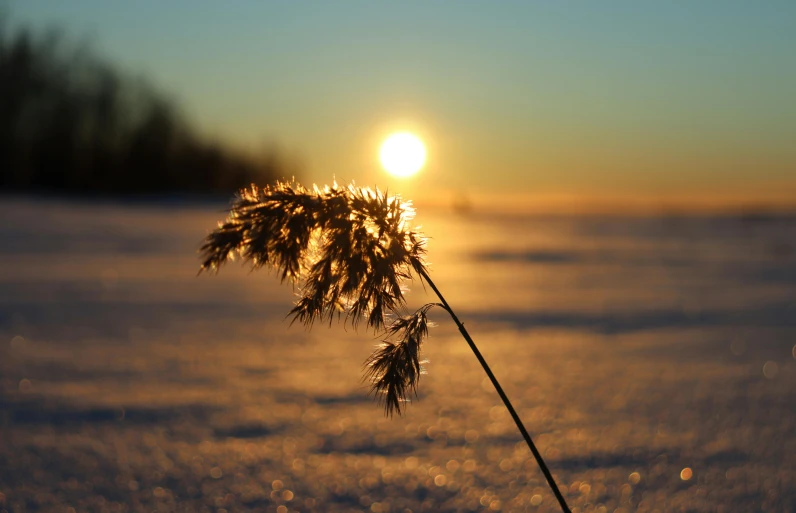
(634, 100)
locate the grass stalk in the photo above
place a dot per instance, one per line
(539, 460)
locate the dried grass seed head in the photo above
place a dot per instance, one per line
(394, 369)
(347, 248)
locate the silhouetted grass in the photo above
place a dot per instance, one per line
(347, 249)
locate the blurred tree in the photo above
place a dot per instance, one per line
(71, 123)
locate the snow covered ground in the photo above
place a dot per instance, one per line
(651, 359)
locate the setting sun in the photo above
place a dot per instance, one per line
(402, 154)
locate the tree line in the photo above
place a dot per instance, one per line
(72, 123)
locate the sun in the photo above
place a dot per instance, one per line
(402, 154)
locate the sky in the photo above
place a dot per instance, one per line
(570, 102)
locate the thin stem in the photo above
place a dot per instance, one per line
(502, 395)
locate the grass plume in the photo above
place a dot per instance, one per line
(394, 369)
(348, 250)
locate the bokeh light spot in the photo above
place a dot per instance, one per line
(25, 386)
(452, 466)
(770, 370)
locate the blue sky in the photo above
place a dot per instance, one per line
(631, 99)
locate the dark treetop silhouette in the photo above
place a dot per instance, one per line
(70, 122)
(348, 249)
